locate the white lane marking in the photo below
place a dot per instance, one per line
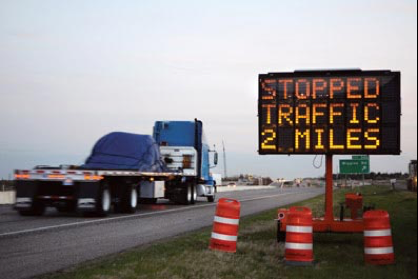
(127, 217)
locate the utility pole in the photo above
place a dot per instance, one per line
(224, 155)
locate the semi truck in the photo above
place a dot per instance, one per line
(123, 171)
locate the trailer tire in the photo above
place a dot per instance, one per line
(130, 200)
(104, 201)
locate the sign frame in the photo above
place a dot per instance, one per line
(341, 74)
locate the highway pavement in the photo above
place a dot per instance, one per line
(32, 246)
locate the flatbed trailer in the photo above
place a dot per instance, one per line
(97, 191)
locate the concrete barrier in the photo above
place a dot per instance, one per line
(7, 197)
(225, 189)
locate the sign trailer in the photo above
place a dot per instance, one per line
(347, 112)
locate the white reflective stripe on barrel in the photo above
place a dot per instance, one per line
(379, 251)
(299, 229)
(379, 233)
(224, 237)
(227, 221)
(298, 246)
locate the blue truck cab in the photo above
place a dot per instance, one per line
(190, 134)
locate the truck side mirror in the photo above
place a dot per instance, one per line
(216, 158)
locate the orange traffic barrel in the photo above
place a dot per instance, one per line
(225, 226)
(378, 243)
(299, 236)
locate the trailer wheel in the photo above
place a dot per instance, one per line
(130, 200)
(104, 202)
(37, 209)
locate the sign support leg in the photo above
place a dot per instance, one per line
(329, 192)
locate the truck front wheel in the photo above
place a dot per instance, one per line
(212, 198)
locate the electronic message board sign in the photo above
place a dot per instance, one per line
(330, 112)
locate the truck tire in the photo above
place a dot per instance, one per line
(130, 200)
(212, 198)
(186, 196)
(194, 193)
(37, 209)
(104, 201)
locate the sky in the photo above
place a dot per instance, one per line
(72, 71)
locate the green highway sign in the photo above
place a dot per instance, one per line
(355, 166)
